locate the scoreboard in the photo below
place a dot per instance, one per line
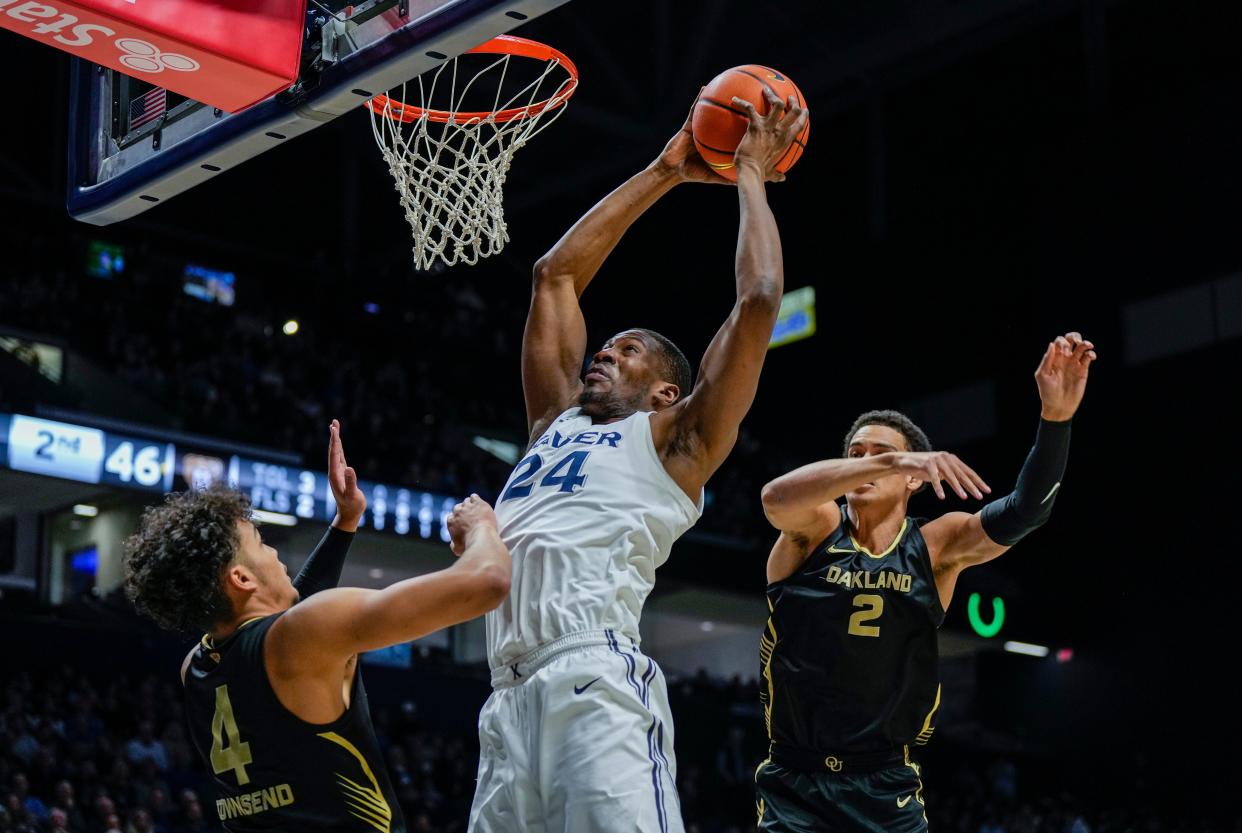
(107, 458)
(88, 455)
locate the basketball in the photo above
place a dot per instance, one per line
(718, 126)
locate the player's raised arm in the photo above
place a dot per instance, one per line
(959, 540)
(555, 340)
(323, 566)
(336, 624)
(697, 434)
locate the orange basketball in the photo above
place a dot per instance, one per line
(718, 126)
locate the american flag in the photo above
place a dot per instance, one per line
(147, 107)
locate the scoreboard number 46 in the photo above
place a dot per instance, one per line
(143, 468)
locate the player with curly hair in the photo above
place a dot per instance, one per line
(274, 696)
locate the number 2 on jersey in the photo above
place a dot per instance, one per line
(237, 755)
(567, 474)
(872, 608)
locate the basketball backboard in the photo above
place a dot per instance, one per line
(132, 146)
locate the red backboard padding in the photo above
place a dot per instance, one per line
(226, 53)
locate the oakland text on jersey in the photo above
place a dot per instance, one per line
(880, 580)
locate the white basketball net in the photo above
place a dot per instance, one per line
(450, 175)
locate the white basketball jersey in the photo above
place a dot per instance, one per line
(588, 515)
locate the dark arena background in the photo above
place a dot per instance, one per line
(980, 177)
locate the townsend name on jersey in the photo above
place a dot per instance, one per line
(259, 801)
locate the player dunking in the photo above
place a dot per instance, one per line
(849, 678)
(274, 697)
(577, 736)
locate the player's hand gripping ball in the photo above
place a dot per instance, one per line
(718, 126)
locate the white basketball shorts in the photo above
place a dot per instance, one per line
(577, 737)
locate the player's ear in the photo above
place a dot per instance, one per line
(665, 394)
(913, 484)
(239, 577)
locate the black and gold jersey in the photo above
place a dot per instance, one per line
(272, 770)
(849, 654)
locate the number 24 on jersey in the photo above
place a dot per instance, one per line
(566, 475)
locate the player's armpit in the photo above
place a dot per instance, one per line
(957, 540)
(697, 434)
(797, 542)
(788, 554)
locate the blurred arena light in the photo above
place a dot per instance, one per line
(1026, 648)
(277, 518)
(796, 319)
(508, 452)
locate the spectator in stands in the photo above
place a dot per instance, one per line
(117, 783)
(189, 817)
(140, 822)
(84, 727)
(161, 809)
(992, 824)
(26, 744)
(146, 783)
(1004, 779)
(145, 747)
(65, 802)
(105, 812)
(42, 773)
(36, 808)
(193, 820)
(18, 817)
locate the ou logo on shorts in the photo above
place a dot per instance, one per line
(142, 56)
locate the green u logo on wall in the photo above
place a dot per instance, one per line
(986, 629)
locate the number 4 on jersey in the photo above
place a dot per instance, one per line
(571, 479)
(237, 754)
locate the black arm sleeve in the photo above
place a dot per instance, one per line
(1009, 519)
(322, 570)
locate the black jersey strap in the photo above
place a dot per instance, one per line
(322, 570)
(1009, 519)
